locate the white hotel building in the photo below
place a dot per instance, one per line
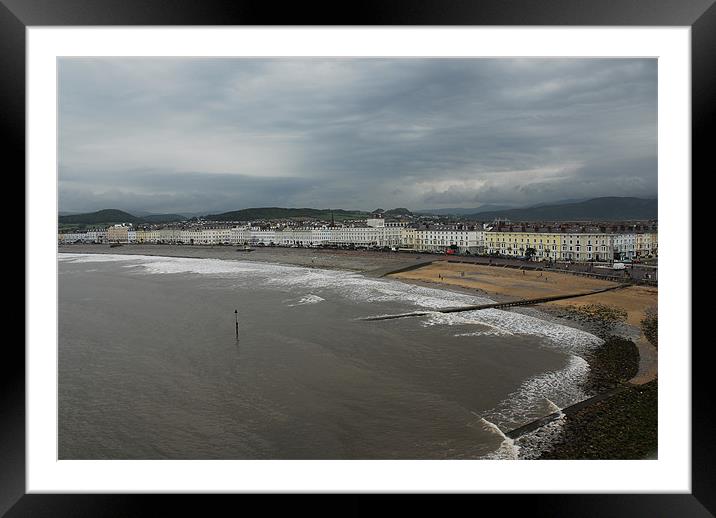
(96, 235)
(374, 233)
(633, 245)
(72, 237)
(462, 238)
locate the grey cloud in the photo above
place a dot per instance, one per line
(217, 134)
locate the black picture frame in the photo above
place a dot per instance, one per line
(16, 15)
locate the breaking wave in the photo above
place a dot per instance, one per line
(508, 449)
(537, 397)
(308, 299)
(351, 285)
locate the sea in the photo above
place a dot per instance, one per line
(150, 366)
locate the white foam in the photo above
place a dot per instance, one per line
(350, 285)
(308, 299)
(539, 395)
(536, 399)
(533, 444)
(494, 332)
(554, 408)
(507, 449)
(96, 258)
(565, 338)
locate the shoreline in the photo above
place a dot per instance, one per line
(348, 260)
(617, 359)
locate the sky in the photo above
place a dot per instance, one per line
(205, 135)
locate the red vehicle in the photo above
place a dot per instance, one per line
(449, 251)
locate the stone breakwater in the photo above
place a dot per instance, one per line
(623, 426)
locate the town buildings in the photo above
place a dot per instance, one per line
(567, 246)
(118, 233)
(92, 235)
(539, 243)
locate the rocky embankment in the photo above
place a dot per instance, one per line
(624, 425)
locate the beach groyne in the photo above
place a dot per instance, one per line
(566, 411)
(495, 305)
(391, 270)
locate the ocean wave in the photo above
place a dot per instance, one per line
(561, 337)
(533, 398)
(350, 285)
(538, 397)
(508, 448)
(97, 258)
(356, 287)
(308, 299)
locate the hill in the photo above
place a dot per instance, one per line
(101, 216)
(163, 218)
(266, 213)
(109, 216)
(400, 211)
(457, 211)
(597, 209)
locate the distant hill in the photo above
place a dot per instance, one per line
(458, 211)
(109, 216)
(163, 218)
(555, 202)
(101, 216)
(603, 209)
(284, 213)
(400, 211)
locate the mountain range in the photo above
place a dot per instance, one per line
(595, 209)
(459, 211)
(108, 216)
(286, 213)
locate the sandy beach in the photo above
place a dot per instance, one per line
(510, 283)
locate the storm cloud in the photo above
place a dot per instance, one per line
(207, 135)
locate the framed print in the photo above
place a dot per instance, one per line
(414, 251)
